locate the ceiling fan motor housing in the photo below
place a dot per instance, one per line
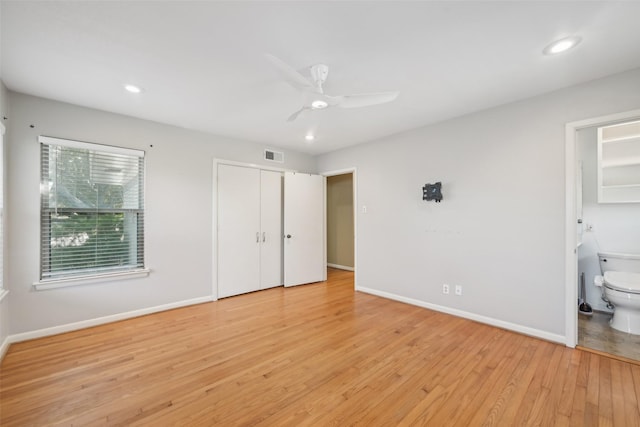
(319, 73)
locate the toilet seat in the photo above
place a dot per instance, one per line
(622, 281)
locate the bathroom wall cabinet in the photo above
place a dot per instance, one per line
(619, 163)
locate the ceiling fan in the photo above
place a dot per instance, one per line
(315, 98)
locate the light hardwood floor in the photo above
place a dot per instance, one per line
(312, 355)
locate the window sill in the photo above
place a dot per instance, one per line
(3, 293)
(88, 280)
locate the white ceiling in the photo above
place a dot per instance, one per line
(202, 64)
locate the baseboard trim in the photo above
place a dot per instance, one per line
(560, 339)
(340, 267)
(24, 336)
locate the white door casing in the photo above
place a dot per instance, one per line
(304, 235)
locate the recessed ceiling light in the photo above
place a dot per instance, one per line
(319, 104)
(132, 88)
(561, 45)
(309, 137)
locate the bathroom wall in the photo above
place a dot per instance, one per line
(616, 226)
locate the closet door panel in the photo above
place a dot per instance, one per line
(239, 236)
(271, 229)
(304, 244)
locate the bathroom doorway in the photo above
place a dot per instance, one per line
(595, 224)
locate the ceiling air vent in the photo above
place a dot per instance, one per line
(274, 156)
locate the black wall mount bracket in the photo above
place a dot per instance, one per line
(432, 192)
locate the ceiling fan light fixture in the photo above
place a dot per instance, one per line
(562, 45)
(132, 88)
(319, 104)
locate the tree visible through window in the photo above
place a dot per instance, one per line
(92, 216)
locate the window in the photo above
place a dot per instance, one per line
(92, 209)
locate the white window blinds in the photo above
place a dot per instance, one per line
(92, 209)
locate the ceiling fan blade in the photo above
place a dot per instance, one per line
(296, 114)
(365, 99)
(293, 77)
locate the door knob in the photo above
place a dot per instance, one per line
(288, 236)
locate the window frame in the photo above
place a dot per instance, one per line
(95, 273)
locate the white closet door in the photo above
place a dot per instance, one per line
(304, 229)
(271, 229)
(238, 230)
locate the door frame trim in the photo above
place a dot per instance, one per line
(571, 271)
(354, 173)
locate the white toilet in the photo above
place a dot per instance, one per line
(621, 287)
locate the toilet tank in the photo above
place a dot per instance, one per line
(613, 261)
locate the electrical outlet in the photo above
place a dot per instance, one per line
(445, 289)
(458, 290)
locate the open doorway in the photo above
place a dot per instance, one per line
(341, 220)
(604, 225)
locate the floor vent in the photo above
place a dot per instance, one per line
(274, 156)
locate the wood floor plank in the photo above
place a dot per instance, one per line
(591, 410)
(580, 395)
(630, 395)
(463, 379)
(561, 390)
(318, 354)
(570, 384)
(530, 392)
(469, 400)
(454, 377)
(605, 396)
(617, 397)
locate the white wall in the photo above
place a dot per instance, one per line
(178, 218)
(616, 226)
(499, 232)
